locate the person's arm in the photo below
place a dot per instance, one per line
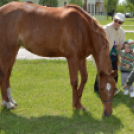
(118, 49)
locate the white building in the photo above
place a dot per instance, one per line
(94, 6)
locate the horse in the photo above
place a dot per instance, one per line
(66, 31)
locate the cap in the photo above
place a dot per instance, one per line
(119, 16)
(129, 41)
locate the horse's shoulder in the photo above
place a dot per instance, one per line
(70, 12)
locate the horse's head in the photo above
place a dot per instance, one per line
(107, 87)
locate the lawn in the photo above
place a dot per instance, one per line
(43, 93)
(130, 36)
(127, 25)
(128, 21)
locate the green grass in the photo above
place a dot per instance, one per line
(128, 21)
(128, 27)
(43, 93)
(129, 36)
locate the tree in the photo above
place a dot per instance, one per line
(77, 2)
(3, 2)
(51, 3)
(130, 6)
(112, 5)
(131, 1)
(122, 7)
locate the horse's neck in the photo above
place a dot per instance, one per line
(102, 60)
(96, 59)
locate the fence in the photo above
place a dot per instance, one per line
(99, 16)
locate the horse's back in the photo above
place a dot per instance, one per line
(40, 28)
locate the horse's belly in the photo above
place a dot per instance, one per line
(45, 52)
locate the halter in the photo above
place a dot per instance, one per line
(106, 100)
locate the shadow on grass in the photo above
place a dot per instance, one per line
(123, 99)
(80, 122)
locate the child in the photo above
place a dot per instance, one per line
(130, 79)
(126, 65)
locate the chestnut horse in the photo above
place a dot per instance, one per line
(55, 32)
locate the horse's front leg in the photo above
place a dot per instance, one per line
(73, 71)
(84, 76)
(8, 85)
(6, 68)
(5, 100)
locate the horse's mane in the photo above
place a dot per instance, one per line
(95, 25)
(104, 63)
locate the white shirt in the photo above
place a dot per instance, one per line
(114, 35)
(117, 36)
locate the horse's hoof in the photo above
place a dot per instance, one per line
(10, 105)
(83, 109)
(13, 107)
(3, 105)
(15, 104)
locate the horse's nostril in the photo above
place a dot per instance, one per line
(105, 113)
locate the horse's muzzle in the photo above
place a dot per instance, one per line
(105, 113)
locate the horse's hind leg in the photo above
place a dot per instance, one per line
(84, 75)
(73, 70)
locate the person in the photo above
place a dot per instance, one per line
(130, 79)
(126, 65)
(116, 36)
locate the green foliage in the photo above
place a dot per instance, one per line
(122, 7)
(3, 2)
(51, 3)
(126, 7)
(77, 2)
(130, 6)
(110, 5)
(131, 1)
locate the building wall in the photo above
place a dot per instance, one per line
(94, 6)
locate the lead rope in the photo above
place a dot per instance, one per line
(131, 99)
(129, 94)
(118, 90)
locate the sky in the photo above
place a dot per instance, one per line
(121, 1)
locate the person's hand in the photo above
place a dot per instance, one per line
(127, 66)
(127, 86)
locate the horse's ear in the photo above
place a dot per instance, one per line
(114, 73)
